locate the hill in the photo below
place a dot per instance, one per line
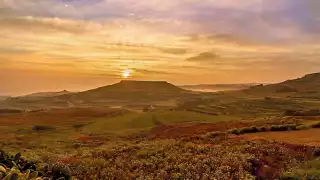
(3, 97)
(308, 84)
(126, 90)
(217, 87)
(124, 93)
(139, 86)
(47, 94)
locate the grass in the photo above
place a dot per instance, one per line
(147, 120)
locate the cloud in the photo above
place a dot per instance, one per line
(205, 56)
(14, 50)
(175, 51)
(159, 39)
(48, 25)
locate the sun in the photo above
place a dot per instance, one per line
(126, 73)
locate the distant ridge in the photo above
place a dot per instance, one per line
(309, 83)
(47, 94)
(218, 87)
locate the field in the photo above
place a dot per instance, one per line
(100, 143)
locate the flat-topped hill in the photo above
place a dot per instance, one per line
(143, 86)
(128, 89)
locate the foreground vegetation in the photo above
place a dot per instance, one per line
(196, 157)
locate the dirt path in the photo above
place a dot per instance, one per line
(306, 137)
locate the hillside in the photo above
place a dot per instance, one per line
(137, 93)
(308, 84)
(125, 90)
(3, 97)
(47, 94)
(217, 87)
(139, 86)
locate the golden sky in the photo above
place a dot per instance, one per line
(49, 45)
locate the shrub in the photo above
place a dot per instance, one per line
(7, 111)
(78, 126)
(312, 112)
(248, 130)
(268, 98)
(263, 129)
(290, 113)
(302, 127)
(286, 127)
(42, 128)
(234, 131)
(315, 125)
(214, 134)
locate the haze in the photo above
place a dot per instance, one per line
(51, 45)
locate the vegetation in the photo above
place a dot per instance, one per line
(307, 170)
(39, 128)
(284, 127)
(16, 168)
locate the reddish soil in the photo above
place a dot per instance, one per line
(187, 129)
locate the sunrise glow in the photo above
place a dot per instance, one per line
(62, 43)
(126, 73)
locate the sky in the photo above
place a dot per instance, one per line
(51, 45)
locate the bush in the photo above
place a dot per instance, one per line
(308, 126)
(263, 129)
(245, 130)
(315, 125)
(234, 131)
(248, 130)
(42, 128)
(286, 127)
(214, 134)
(303, 127)
(312, 112)
(268, 98)
(8, 111)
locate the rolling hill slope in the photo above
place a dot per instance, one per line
(138, 93)
(307, 84)
(47, 94)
